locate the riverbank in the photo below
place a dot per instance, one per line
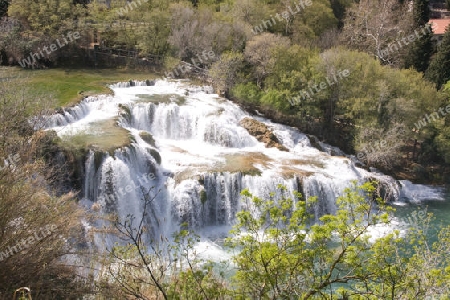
(69, 86)
(409, 169)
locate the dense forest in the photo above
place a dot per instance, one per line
(367, 76)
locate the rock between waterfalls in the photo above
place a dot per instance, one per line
(262, 133)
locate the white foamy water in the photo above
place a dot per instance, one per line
(202, 149)
(418, 193)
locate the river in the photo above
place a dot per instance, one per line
(189, 144)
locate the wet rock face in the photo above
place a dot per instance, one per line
(262, 133)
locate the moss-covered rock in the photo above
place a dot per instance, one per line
(98, 159)
(262, 133)
(67, 163)
(102, 136)
(148, 138)
(203, 196)
(155, 154)
(125, 112)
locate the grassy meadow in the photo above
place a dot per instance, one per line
(68, 86)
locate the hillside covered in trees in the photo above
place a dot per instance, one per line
(282, 58)
(368, 76)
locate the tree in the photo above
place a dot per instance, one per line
(381, 148)
(439, 70)
(260, 53)
(195, 31)
(420, 52)
(249, 11)
(318, 18)
(383, 103)
(373, 26)
(35, 223)
(153, 39)
(49, 17)
(339, 8)
(294, 69)
(225, 72)
(441, 128)
(41, 25)
(281, 254)
(421, 12)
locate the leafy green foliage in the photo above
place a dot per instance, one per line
(420, 51)
(247, 92)
(442, 141)
(276, 99)
(318, 17)
(439, 70)
(383, 103)
(280, 250)
(225, 71)
(281, 255)
(421, 12)
(48, 17)
(194, 278)
(272, 247)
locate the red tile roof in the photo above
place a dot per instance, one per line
(439, 25)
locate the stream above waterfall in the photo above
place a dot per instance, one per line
(188, 143)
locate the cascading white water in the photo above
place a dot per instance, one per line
(207, 158)
(132, 83)
(73, 119)
(418, 192)
(175, 122)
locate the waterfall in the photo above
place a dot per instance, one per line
(171, 121)
(186, 143)
(133, 83)
(418, 193)
(80, 112)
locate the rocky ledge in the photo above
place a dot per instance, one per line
(262, 133)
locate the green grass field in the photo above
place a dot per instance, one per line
(68, 86)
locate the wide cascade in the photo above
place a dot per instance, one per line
(193, 150)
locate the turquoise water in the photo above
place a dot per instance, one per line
(412, 213)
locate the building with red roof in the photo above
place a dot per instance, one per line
(439, 26)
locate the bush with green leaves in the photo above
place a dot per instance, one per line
(281, 251)
(283, 255)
